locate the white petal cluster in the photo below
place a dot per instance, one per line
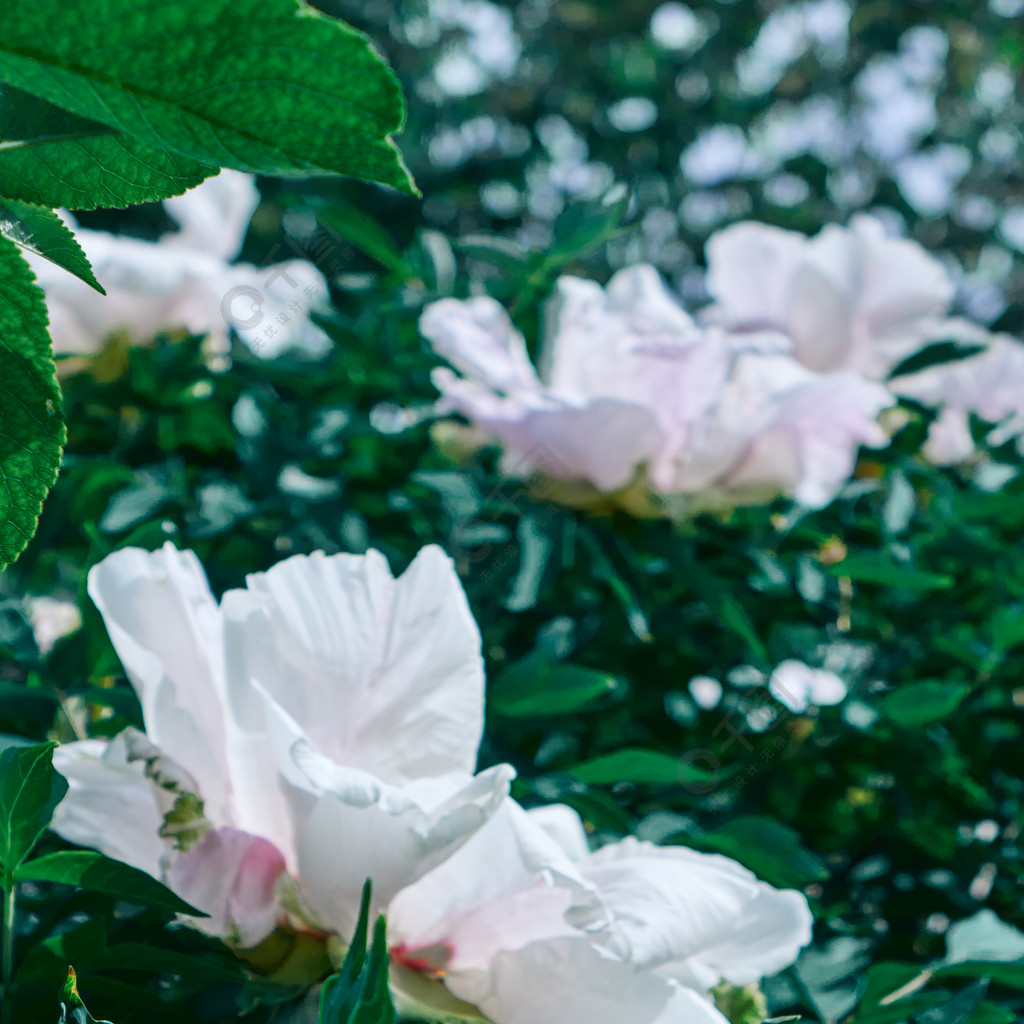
(321, 726)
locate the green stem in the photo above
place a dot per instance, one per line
(8, 951)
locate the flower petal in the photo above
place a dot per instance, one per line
(110, 806)
(166, 629)
(232, 876)
(379, 673)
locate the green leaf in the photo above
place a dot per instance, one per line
(268, 86)
(770, 849)
(72, 1009)
(1009, 974)
(537, 686)
(643, 767)
(935, 355)
(30, 789)
(40, 231)
(358, 993)
(922, 703)
(351, 224)
(877, 568)
(52, 157)
(93, 871)
(31, 423)
(957, 1009)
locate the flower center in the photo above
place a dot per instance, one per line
(430, 961)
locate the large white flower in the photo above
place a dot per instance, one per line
(186, 281)
(850, 298)
(630, 386)
(524, 924)
(320, 725)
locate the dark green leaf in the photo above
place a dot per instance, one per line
(921, 703)
(31, 424)
(935, 355)
(52, 157)
(365, 233)
(644, 767)
(537, 686)
(30, 789)
(39, 230)
(93, 871)
(877, 568)
(770, 849)
(268, 86)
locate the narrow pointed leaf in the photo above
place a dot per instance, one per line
(31, 424)
(93, 871)
(39, 230)
(269, 86)
(72, 1009)
(30, 789)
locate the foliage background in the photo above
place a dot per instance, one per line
(908, 585)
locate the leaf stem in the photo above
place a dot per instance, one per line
(8, 950)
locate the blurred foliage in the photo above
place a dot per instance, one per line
(898, 811)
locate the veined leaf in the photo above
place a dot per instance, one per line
(93, 871)
(55, 158)
(30, 789)
(31, 424)
(269, 86)
(39, 230)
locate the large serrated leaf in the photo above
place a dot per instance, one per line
(39, 230)
(52, 157)
(268, 86)
(30, 789)
(31, 423)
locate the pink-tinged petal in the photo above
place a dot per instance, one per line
(667, 903)
(950, 440)
(768, 938)
(110, 806)
(166, 628)
(380, 674)
(508, 886)
(570, 981)
(214, 217)
(232, 876)
(750, 269)
(808, 446)
(602, 441)
(902, 284)
(478, 338)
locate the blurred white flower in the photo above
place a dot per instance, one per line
(524, 924)
(185, 281)
(52, 619)
(322, 724)
(632, 392)
(849, 298)
(798, 686)
(705, 691)
(988, 385)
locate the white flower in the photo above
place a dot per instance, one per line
(849, 298)
(185, 281)
(988, 385)
(524, 924)
(798, 685)
(630, 386)
(322, 723)
(52, 619)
